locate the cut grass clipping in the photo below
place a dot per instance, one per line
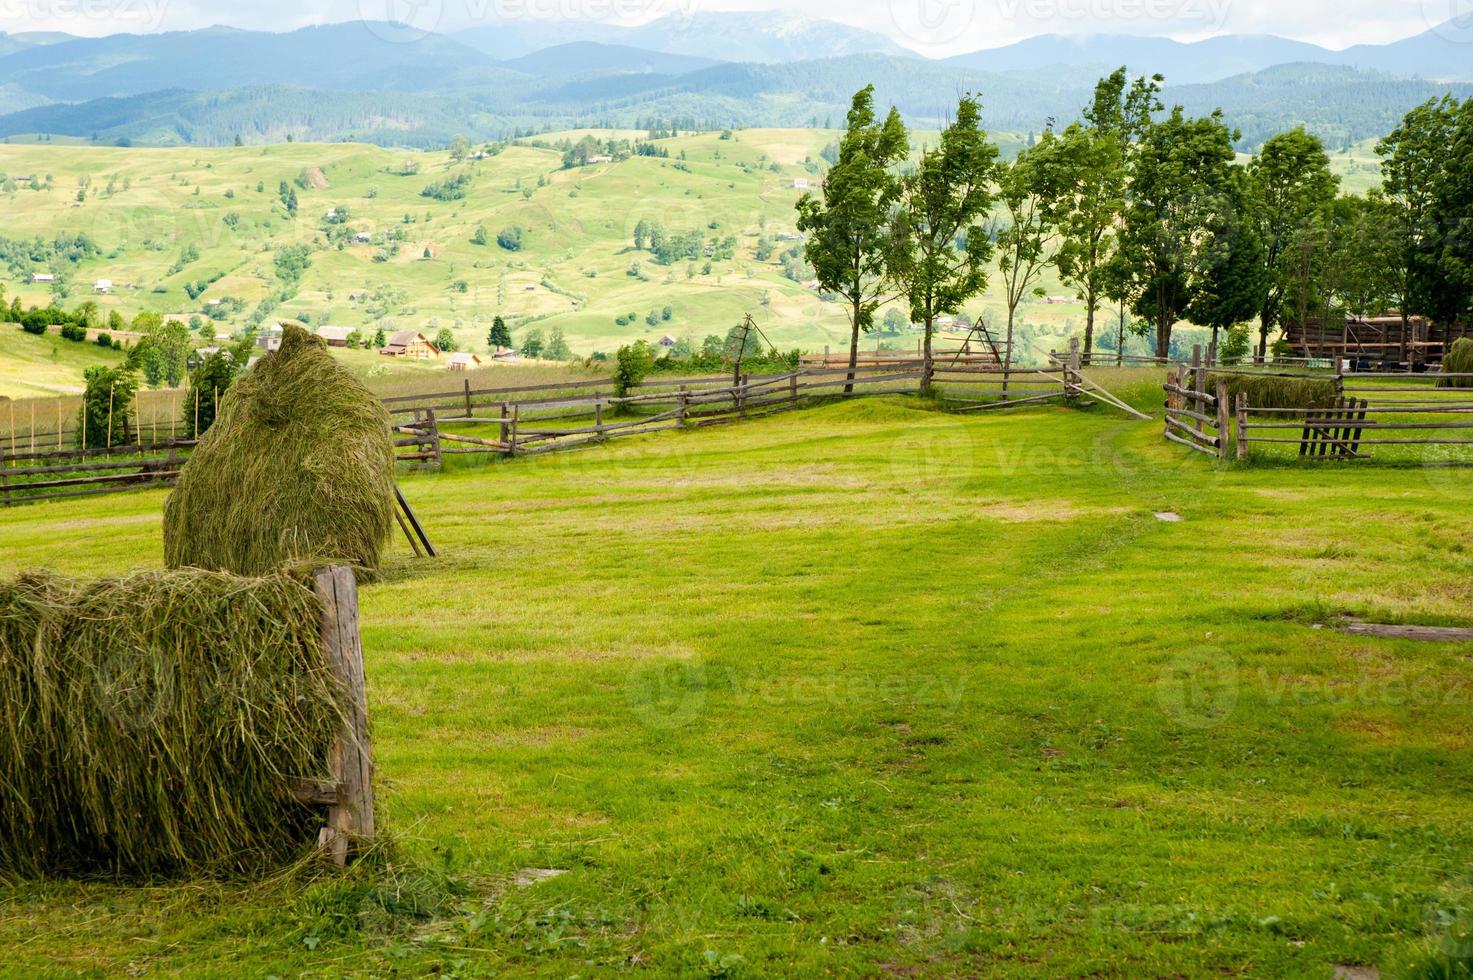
(153, 725)
(1273, 392)
(298, 466)
(1458, 360)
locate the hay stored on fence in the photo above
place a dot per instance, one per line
(1265, 391)
(298, 465)
(1458, 360)
(153, 725)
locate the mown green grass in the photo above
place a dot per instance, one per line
(867, 688)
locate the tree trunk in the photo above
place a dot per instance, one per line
(1262, 339)
(1007, 353)
(1089, 328)
(927, 368)
(853, 348)
(1120, 338)
(1163, 337)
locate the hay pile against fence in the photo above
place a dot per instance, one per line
(1458, 360)
(153, 725)
(298, 466)
(1265, 391)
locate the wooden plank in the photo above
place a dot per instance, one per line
(1427, 634)
(350, 818)
(1223, 425)
(1242, 425)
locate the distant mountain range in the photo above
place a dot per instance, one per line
(389, 84)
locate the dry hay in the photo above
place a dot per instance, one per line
(1458, 360)
(298, 466)
(153, 725)
(1267, 391)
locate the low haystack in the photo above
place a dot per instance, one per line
(299, 465)
(1458, 360)
(155, 725)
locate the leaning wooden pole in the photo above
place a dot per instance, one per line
(350, 811)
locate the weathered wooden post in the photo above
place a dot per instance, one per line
(1242, 425)
(469, 413)
(1224, 416)
(505, 420)
(516, 414)
(793, 387)
(432, 433)
(1071, 372)
(683, 405)
(350, 807)
(598, 419)
(1199, 384)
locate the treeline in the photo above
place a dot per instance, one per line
(1146, 211)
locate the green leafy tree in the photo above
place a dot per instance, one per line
(557, 346)
(445, 340)
(1367, 255)
(106, 416)
(846, 228)
(481, 237)
(533, 343)
(1026, 193)
(1091, 168)
(207, 386)
(632, 364)
(940, 248)
(1291, 188)
(1179, 200)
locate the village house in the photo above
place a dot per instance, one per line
(411, 344)
(362, 237)
(463, 361)
(800, 183)
(601, 158)
(667, 341)
(103, 286)
(42, 277)
(336, 336)
(505, 354)
(268, 338)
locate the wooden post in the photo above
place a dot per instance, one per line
(1224, 420)
(1242, 425)
(793, 388)
(432, 431)
(598, 420)
(468, 412)
(516, 411)
(350, 814)
(1199, 383)
(1071, 371)
(683, 405)
(505, 418)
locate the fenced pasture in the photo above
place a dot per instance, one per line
(1406, 418)
(867, 688)
(433, 424)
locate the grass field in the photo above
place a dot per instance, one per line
(866, 689)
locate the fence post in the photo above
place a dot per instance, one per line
(5, 480)
(1224, 417)
(432, 430)
(1199, 383)
(516, 412)
(350, 814)
(468, 412)
(598, 419)
(505, 412)
(683, 405)
(742, 394)
(793, 387)
(1071, 371)
(1242, 425)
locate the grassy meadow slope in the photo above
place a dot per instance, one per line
(865, 690)
(146, 206)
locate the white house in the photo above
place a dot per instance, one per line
(800, 183)
(362, 237)
(601, 158)
(463, 361)
(42, 277)
(102, 286)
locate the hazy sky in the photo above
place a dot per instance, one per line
(931, 26)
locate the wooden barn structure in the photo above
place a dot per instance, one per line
(1389, 340)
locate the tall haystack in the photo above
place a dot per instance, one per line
(299, 465)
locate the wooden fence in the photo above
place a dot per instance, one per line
(532, 419)
(1368, 410)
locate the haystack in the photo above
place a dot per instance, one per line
(155, 724)
(299, 466)
(1458, 360)
(1269, 391)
